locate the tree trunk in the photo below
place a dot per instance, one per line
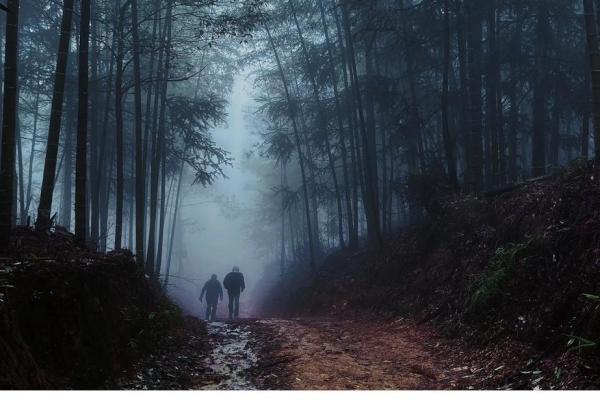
(67, 160)
(157, 151)
(340, 122)
(140, 210)
(174, 224)
(32, 152)
(149, 87)
(555, 135)
(82, 127)
(94, 139)
(21, 180)
(9, 122)
(282, 249)
(585, 125)
(103, 176)
(292, 112)
(538, 142)
(321, 124)
(119, 128)
(354, 160)
(163, 205)
(463, 138)
(45, 205)
(593, 50)
(492, 96)
(370, 176)
(513, 116)
(449, 145)
(474, 149)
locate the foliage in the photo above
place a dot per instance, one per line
(191, 121)
(494, 282)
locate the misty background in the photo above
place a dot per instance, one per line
(218, 221)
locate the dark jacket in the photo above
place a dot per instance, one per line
(234, 282)
(213, 290)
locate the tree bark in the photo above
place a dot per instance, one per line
(321, 125)
(370, 176)
(9, 123)
(538, 141)
(174, 224)
(47, 190)
(67, 160)
(449, 146)
(593, 50)
(82, 127)
(492, 101)
(119, 128)
(474, 149)
(32, 152)
(140, 210)
(340, 122)
(94, 139)
(292, 113)
(157, 151)
(350, 115)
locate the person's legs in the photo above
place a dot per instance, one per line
(230, 305)
(213, 314)
(236, 305)
(207, 310)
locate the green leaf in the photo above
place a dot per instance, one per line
(591, 297)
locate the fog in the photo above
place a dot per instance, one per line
(341, 119)
(217, 220)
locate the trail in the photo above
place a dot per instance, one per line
(232, 356)
(327, 354)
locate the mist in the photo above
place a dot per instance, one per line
(217, 230)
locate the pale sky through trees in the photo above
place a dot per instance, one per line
(213, 239)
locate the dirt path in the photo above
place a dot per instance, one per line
(333, 354)
(232, 357)
(342, 354)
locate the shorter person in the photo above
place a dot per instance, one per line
(213, 291)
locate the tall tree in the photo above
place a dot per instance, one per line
(594, 55)
(47, 191)
(82, 126)
(119, 199)
(292, 116)
(9, 122)
(140, 208)
(369, 165)
(538, 140)
(474, 146)
(448, 142)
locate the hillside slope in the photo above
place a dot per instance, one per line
(76, 320)
(522, 264)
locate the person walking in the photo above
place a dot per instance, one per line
(213, 290)
(235, 285)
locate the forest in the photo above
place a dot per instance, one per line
(408, 187)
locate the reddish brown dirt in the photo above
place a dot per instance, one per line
(342, 354)
(397, 354)
(330, 354)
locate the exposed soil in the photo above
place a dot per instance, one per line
(373, 353)
(340, 354)
(514, 274)
(178, 363)
(329, 354)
